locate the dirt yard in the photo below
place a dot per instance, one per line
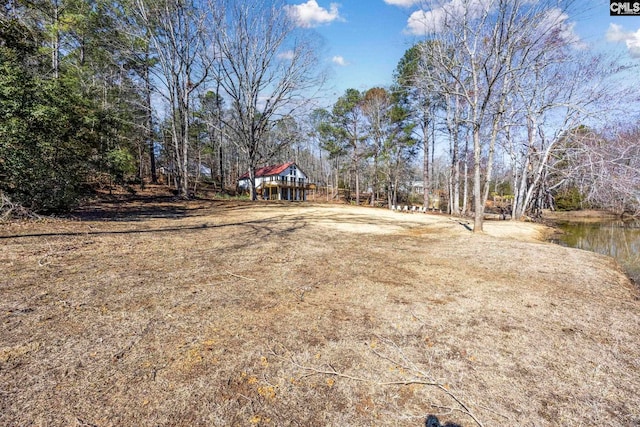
(156, 312)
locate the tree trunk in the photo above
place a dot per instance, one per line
(455, 171)
(357, 173)
(220, 135)
(426, 173)
(478, 206)
(184, 189)
(149, 120)
(537, 177)
(55, 40)
(252, 182)
(395, 192)
(465, 190)
(221, 169)
(374, 190)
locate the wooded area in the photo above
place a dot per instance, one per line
(499, 99)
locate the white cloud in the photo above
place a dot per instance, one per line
(425, 21)
(555, 21)
(339, 60)
(402, 3)
(432, 21)
(310, 14)
(288, 54)
(616, 33)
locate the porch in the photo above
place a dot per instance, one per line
(283, 190)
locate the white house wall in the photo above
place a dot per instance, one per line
(296, 173)
(293, 173)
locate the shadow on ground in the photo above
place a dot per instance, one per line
(433, 421)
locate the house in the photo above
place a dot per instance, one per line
(280, 182)
(417, 187)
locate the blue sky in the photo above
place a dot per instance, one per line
(365, 39)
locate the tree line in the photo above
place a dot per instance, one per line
(499, 97)
(511, 87)
(518, 104)
(97, 89)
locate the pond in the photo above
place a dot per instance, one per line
(616, 238)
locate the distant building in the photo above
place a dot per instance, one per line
(280, 182)
(417, 187)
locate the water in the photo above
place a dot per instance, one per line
(618, 239)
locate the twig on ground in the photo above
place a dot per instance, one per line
(425, 382)
(239, 277)
(10, 209)
(495, 412)
(136, 339)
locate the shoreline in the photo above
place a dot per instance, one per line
(583, 215)
(562, 222)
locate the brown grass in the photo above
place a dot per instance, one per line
(207, 313)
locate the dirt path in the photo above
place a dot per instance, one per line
(225, 313)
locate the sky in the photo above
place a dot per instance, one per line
(365, 39)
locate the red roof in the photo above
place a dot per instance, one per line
(269, 170)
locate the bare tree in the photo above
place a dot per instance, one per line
(178, 32)
(376, 106)
(565, 89)
(616, 181)
(212, 111)
(267, 68)
(486, 48)
(481, 34)
(603, 166)
(454, 125)
(321, 130)
(413, 75)
(347, 132)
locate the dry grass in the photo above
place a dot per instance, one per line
(208, 313)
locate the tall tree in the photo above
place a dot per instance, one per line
(212, 111)
(419, 90)
(321, 130)
(267, 70)
(399, 146)
(178, 31)
(376, 106)
(349, 131)
(48, 130)
(493, 49)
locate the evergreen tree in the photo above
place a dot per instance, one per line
(47, 130)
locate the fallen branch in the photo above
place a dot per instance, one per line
(239, 277)
(10, 209)
(425, 382)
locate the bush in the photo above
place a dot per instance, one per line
(46, 137)
(121, 164)
(569, 199)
